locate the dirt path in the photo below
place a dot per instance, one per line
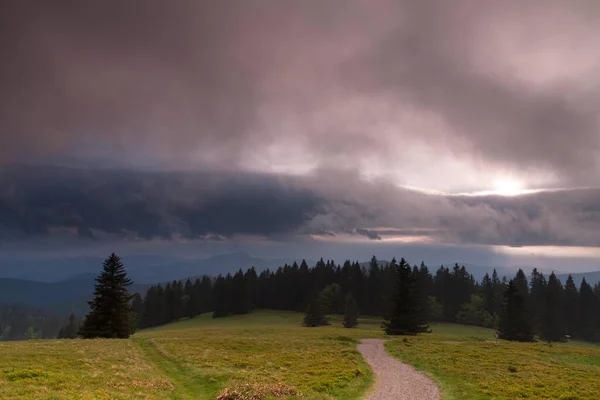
(395, 380)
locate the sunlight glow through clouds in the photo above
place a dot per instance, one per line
(508, 187)
(550, 251)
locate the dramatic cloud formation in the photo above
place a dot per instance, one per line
(388, 121)
(404, 89)
(200, 206)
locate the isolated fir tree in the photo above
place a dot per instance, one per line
(110, 311)
(350, 312)
(314, 314)
(552, 329)
(513, 323)
(405, 316)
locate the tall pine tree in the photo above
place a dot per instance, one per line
(406, 316)
(514, 324)
(110, 311)
(553, 329)
(489, 294)
(570, 308)
(537, 298)
(589, 312)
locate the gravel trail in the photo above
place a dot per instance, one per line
(395, 380)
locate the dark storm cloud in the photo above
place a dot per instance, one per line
(220, 80)
(42, 202)
(145, 205)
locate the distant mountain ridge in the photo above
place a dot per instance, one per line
(142, 268)
(591, 277)
(68, 296)
(71, 294)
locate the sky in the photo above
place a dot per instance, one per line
(460, 131)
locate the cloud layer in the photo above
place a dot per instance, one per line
(432, 94)
(118, 205)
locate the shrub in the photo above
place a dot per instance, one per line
(257, 391)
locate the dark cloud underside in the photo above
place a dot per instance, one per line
(39, 202)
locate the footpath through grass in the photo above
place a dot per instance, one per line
(469, 363)
(197, 358)
(262, 348)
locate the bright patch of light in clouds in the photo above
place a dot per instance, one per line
(508, 187)
(550, 251)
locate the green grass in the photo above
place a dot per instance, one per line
(468, 363)
(79, 369)
(193, 359)
(265, 348)
(197, 358)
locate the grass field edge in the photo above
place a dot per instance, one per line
(187, 386)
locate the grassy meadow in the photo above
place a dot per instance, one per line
(199, 358)
(79, 369)
(321, 363)
(469, 363)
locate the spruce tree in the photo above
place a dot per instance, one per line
(189, 296)
(374, 287)
(498, 292)
(222, 301)
(553, 329)
(314, 314)
(537, 298)
(570, 308)
(589, 312)
(110, 311)
(405, 316)
(489, 294)
(522, 285)
(514, 324)
(350, 312)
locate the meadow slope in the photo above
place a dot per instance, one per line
(469, 363)
(198, 358)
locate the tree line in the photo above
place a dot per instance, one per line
(520, 309)
(405, 297)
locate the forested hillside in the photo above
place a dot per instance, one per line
(450, 295)
(21, 323)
